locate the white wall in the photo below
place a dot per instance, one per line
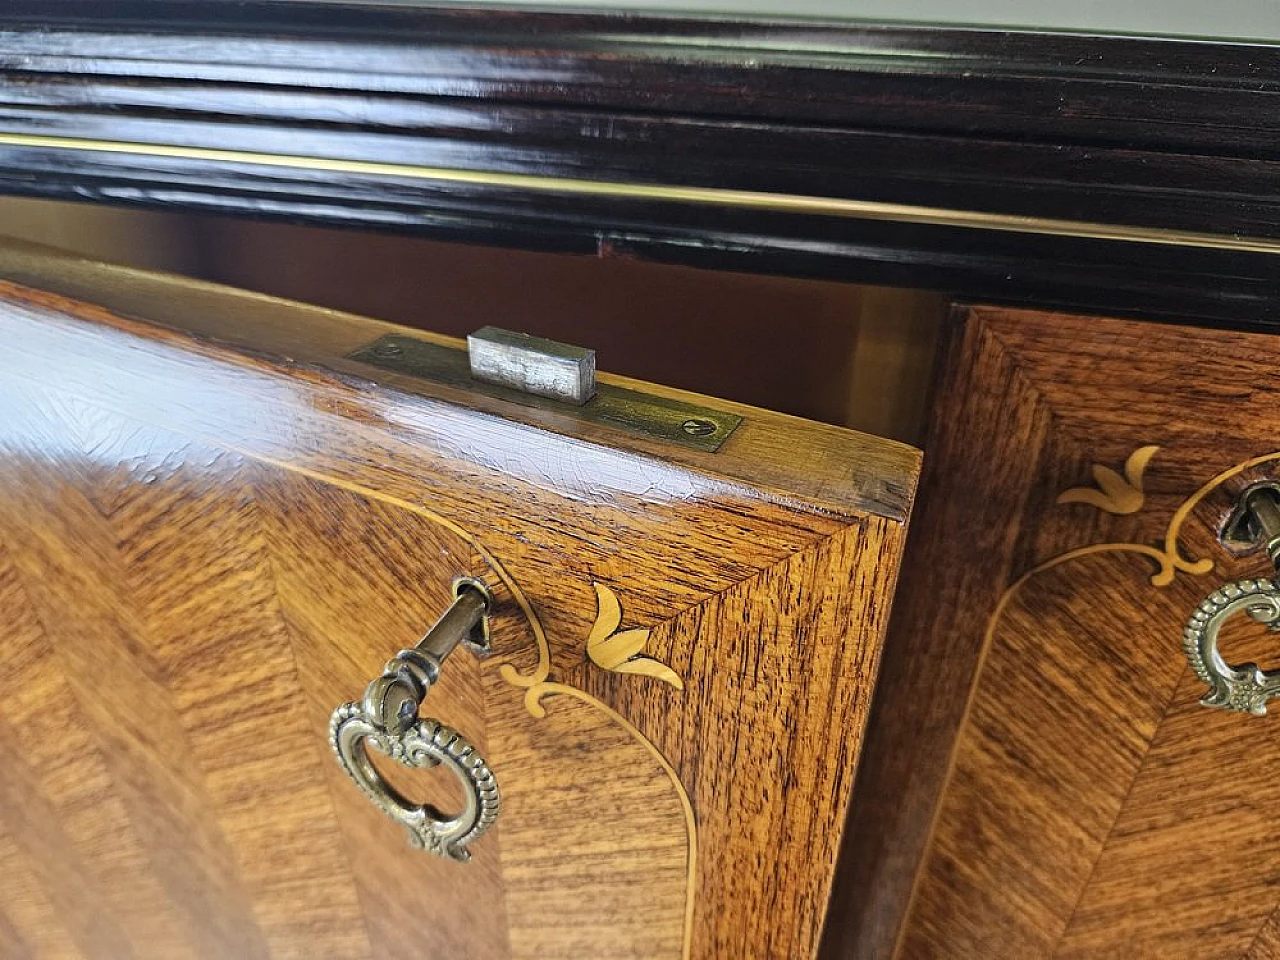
(1243, 19)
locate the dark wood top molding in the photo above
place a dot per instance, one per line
(842, 73)
(1171, 136)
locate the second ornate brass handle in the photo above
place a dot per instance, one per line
(1245, 687)
(387, 720)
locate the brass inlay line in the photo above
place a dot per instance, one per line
(707, 196)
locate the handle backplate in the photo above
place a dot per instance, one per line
(1244, 687)
(387, 720)
(424, 743)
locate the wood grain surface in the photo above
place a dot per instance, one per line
(214, 531)
(1074, 800)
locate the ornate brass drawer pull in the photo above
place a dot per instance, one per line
(387, 719)
(1244, 687)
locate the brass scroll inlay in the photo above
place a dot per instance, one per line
(539, 685)
(1259, 598)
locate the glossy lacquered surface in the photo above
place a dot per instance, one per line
(205, 548)
(1155, 134)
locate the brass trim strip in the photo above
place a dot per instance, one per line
(710, 196)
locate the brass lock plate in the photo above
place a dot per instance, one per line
(674, 421)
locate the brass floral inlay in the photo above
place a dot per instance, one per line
(540, 685)
(621, 651)
(1114, 493)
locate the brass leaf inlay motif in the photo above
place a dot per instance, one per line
(1114, 493)
(621, 651)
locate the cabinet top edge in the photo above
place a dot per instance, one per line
(803, 464)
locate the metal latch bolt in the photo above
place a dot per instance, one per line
(544, 368)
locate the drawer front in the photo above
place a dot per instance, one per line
(204, 551)
(1069, 795)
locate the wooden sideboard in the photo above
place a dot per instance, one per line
(219, 518)
(222, 514)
